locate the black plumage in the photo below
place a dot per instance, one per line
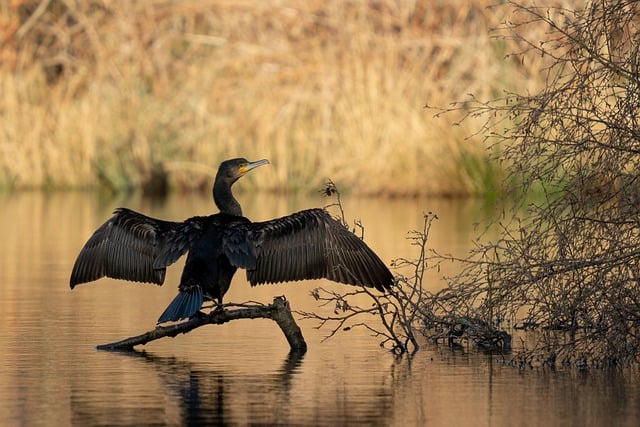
(309, 244)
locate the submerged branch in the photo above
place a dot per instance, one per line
(279, 311)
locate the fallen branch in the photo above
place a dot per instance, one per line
(279, 311)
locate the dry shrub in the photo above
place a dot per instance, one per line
(567, 267)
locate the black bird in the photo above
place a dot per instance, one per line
(309, 244)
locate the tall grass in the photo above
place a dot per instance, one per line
(107, 93)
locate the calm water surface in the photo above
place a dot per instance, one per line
(242, 373)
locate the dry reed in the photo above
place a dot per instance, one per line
(105, 93)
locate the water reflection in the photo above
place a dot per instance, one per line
(197, 395)
(205, 394)
(241, 373)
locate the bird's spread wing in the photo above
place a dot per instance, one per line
(132, 246)
(309, 245)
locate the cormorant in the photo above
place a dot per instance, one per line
(309, 244)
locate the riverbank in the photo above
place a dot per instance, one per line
(129, 94)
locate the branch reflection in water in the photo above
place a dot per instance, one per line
(198, 395)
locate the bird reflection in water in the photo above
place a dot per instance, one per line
(214, 393)
(195, 394)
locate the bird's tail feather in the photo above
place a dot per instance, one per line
(183, 306)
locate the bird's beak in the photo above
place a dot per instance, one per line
(252, 165)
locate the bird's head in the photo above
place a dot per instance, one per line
(231, 170)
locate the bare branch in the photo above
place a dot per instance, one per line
(278, 311)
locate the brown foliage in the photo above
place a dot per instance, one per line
(109, 93)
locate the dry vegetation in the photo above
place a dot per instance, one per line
(117, 94)
(563, 274)
(566, 269)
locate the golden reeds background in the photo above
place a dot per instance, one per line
(117, 93)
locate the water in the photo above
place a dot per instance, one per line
(242, 373)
